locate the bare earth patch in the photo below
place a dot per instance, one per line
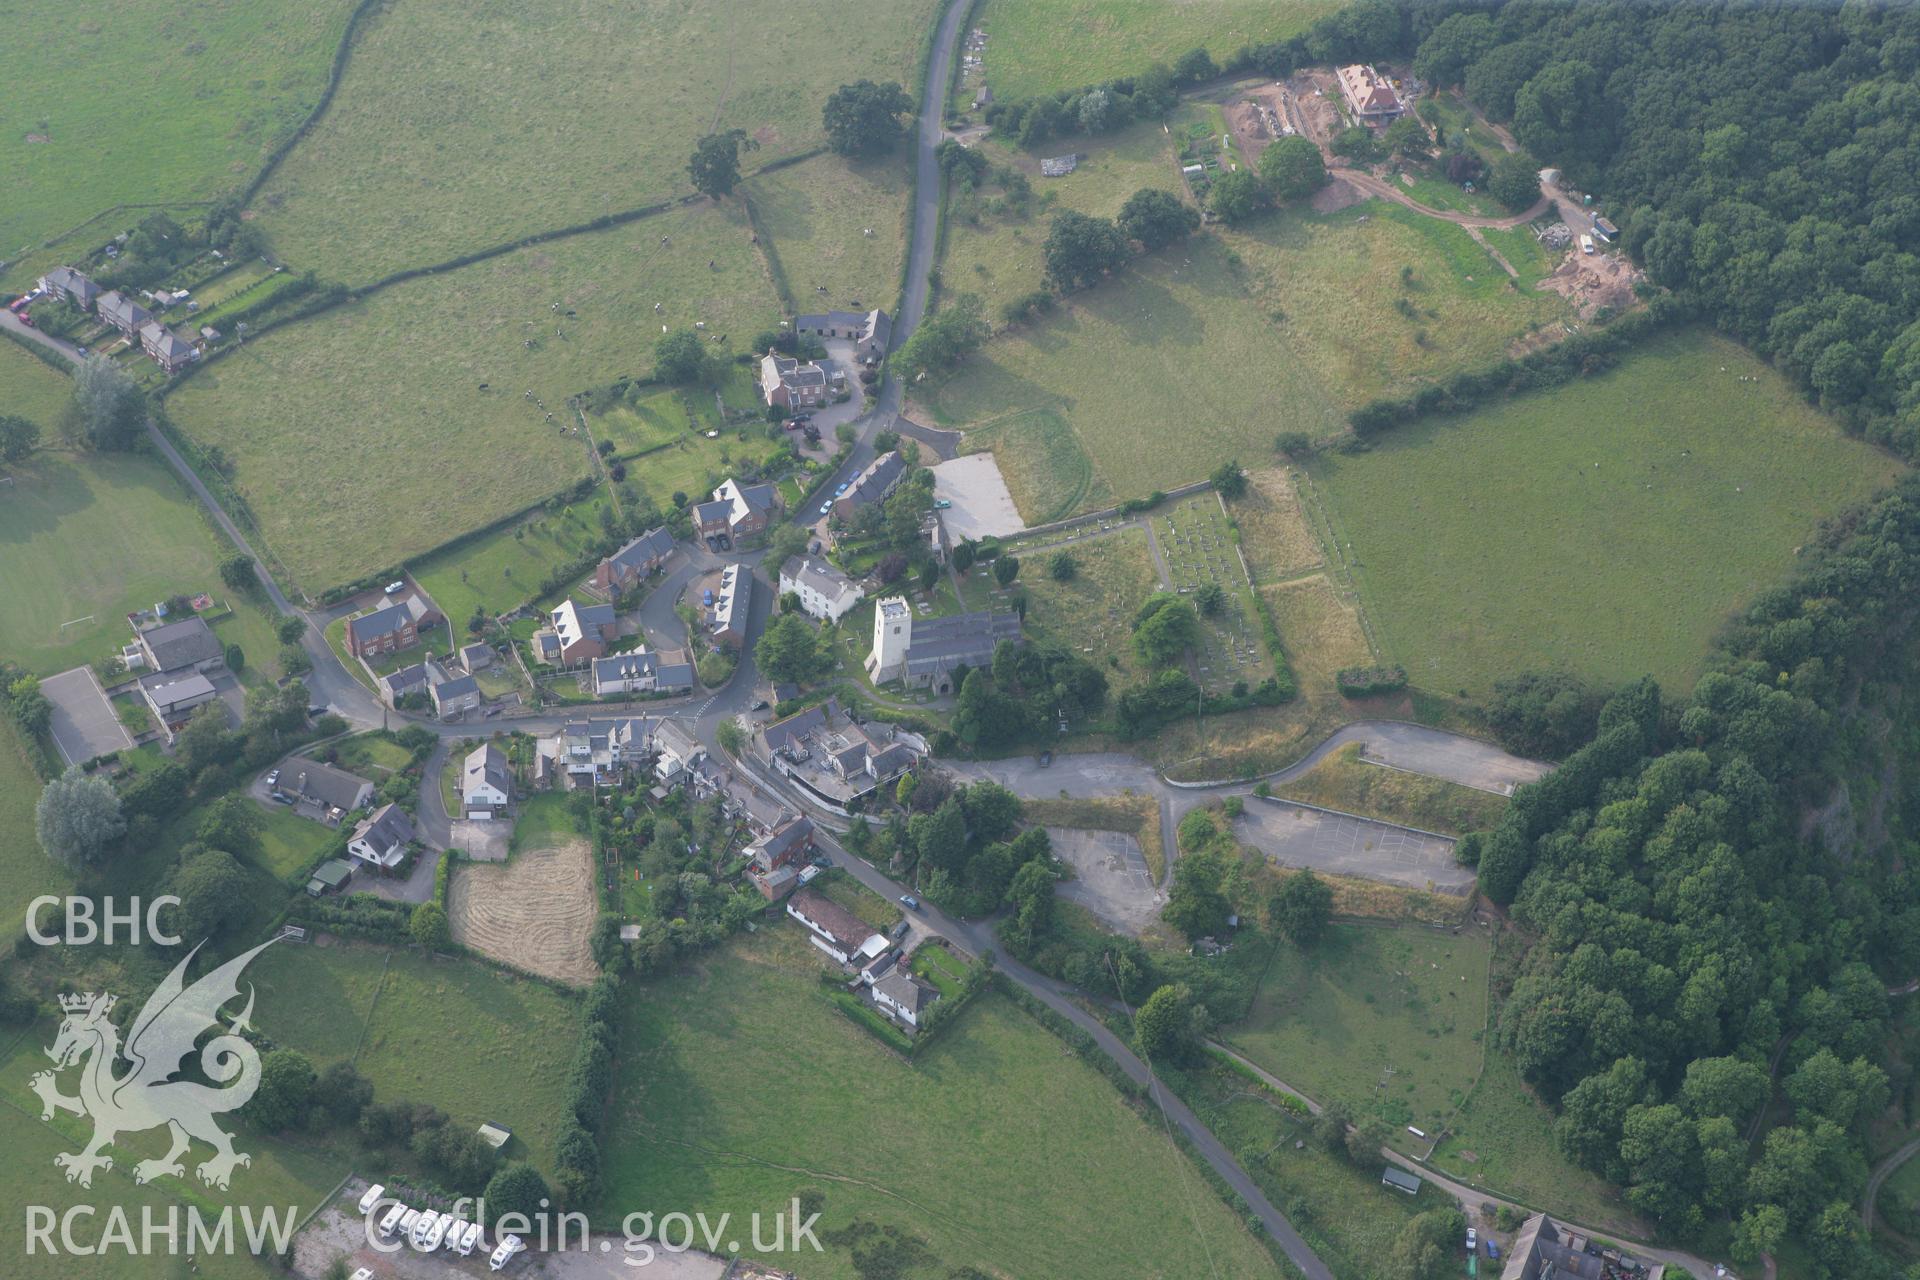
(1594, 280)
(533, 913)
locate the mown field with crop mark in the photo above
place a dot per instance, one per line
(918, 1146)
(451, 421)
(559, 113)
(838, 228)
(1633, 537)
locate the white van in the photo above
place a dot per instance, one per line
(504, 1253)
(375, 1191)
(1586, 244)
(391, 1223)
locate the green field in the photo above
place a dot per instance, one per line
(282, 1176)
(514, 1036)
(102, 535)
(504, 568)
(112, 104)
(1332, 284)
(1038, 46)
(436, 409)
(818, 214)
(709, 1114)
(1045, 467)
(1346, 1215)
(33, 389)
(25, 872)
(1346, 782)
(1197, 543)
(1633, 534)
(1387, 1020)
(1175, 347)
(557, 114)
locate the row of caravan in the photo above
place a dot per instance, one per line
(427, 1230)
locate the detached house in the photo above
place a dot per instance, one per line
(750, 507)
(641, 672)
(382, 837)
(334, 790)
(902, 994)
(634, 562)
(392, 627)
(576, 633)
(122, 312)
(173, 699)
(791, 384)
(453, 695)
(165, 347)
(67, 285)
(869, 331)
(486, 782)
(837, 761)
(874, 484)
(186, 645)
(834, 929)
(825, 593)
(1369, 94)
(786, 844)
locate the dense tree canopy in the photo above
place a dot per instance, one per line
(1157, 218)
(715, 165)
(863, 118)
(1293, 168)
(1082, 249)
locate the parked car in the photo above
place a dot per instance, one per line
(26, 318)
(281, 797)
(273, 779)
(840, 488)
(941, 504)
(314, 713)
(910, 902)
(394, 588)
(1493, 1249)
(80, 351)
(1473, 1240)
(826, 508)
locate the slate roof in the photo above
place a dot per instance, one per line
(122, 312)
(877, 480)
(181, 644)
(406, 680)
(705, 513)
(323, 783)
(486, 764)
(777, 843)
(651, 546)
(385, 620)
(175, 693)
(458, 687)
(907, 991)
(940, 644)
(818, 574)
(845, 929)
(386, 827)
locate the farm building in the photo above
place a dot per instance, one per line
(925, 654)
(1400, 1180)
(1369, 94)
(825, 593)
(870, 331)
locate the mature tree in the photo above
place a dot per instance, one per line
(1455, 44)
(680, 358)
(1730, 1087)
(1170, 1026)
(1237, 196)
(1157, 218)
(1293, 168)
(28, 705)
(1081, 249)
(1196, 905)
(1006, 569)
(212, 889)
(789, 650)
(1405, 137)
(1425, 1247)
(963, 555)
(78, 819)
(940, 837)
(429, 927)
(1229, 481)
(343, 1092)
(291, 629)
(991, 811)
(1209, 598)
(1101, 109)
(18, 437)
(943, 339)
(715, 166)
(1515, 181)
(108, 410)
(1164, 628)
(1760, 1230)
(983, 716)
(1031, 897)
(238, 573)
(1063, 567)
(1195, 65)
(158, 792)
(518, 1189)
(231, 823)
(863, 118)
(1301, 908)
(285, 1092)
(1847, 1093)
(786, 541)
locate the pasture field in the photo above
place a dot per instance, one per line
(1631, 538)
(695, 465)
(403, 1012)
(1333, 285)
(1039, 46)
(504, 568)
(1502, 1139)
(998, 255)
(33, 389)
(175, 104)
(1523, 252)
(1175, 347)
(101, 535)
(1388, 1020)
(442, 366)
(819, 214)
(1348, 1217)
(918, 1146)
(559, 112)
(1345, 782)
(1199, 548)
(25, 871)
(283, 1178)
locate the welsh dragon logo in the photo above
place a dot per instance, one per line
(144, 1093)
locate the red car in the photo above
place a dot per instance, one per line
(20, 302)
(26, 318)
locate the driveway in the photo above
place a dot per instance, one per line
(1299, 836)
(84, 724)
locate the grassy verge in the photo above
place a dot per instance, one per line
(1346, 782)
